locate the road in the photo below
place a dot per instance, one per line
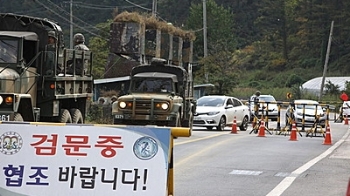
(213, 163)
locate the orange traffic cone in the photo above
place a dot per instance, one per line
(346, 120)
(348, 191)
(327, 139)
(262, 128)
(293, 133)
(234, 125)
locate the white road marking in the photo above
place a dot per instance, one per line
(286, 182)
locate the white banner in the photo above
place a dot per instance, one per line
(42, 160)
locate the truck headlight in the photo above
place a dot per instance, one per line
(165, 106)
(122, 104)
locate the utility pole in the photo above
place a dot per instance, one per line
(205, 49)
(326, 61)
(154, 8)
(71, 25)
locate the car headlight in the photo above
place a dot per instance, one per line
(213, 113)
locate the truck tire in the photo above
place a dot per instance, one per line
(77, 117)
(189, 122)
(65, 116)
(177, 122)
(18, 117)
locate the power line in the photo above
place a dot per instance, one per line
(68, 14)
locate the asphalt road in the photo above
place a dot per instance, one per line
(213, 163)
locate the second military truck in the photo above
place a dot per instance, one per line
(160, 94)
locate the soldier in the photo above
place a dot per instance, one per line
(51, 43)
(51, 53)
(79, 40)
(79, 44)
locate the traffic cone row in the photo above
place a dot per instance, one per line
(293, 134)
(328, 139)
(234, 125)
(262, 128)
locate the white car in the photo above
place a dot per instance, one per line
(346, 108)
(311, 108)
(267, 106)
(219, 111)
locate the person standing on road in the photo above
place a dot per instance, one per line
(255, 99)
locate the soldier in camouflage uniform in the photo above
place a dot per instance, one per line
(79, 40)
(79, 44)
(51, 53)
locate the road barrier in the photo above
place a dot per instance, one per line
(317, 126)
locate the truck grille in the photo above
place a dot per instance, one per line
(143, 104)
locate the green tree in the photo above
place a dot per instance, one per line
(219, 65)
(99, 45)
(220, 27)
(332, 89)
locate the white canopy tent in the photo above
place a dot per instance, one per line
(314, 85)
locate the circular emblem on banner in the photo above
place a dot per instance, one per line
(145, 148)
(10, 143)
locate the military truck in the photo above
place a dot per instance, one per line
(35, 84)
(160, 94)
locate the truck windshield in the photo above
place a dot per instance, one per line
(8, 51)
(152, 85)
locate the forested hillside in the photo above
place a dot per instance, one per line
(263, 43)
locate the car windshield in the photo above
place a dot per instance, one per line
(211, 101)
(267, 98)
(309, 107)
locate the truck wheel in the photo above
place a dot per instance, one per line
(18, 117)
(65, 116)
(76, 115)
(177, 122)
(188, 122)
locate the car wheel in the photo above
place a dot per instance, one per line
(209, 128)
(222, 124)
(244, 125)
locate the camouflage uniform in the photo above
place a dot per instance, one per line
(79, 40)
(51, 53)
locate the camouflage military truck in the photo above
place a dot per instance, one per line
(35, 84)
(159, 94)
